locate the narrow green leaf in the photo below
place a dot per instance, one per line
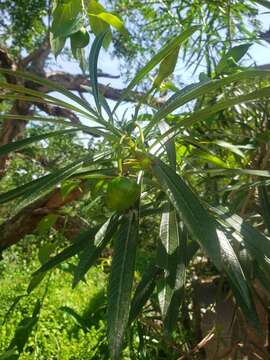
(94, 248)
(77, 317)
(206, 113)
(168, 256)
(40, 187)
(265, 205)
(172, 258)
(264, 3)
(169, 143)
(51, 86)
(24, 329)
(80, 242)
(251, 172)
(121, 280)
(20, 144)
(144, 290)
(41, 95)
(34, 282)
(209, 157)
(205, 231)
(256, 242)
(162, 54)
(93, 59)
(197, 90)
(233, 148)
(96, 130)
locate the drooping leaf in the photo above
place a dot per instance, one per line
(80, 39)
(265, 3)
(94, 248)
(80, 243)
(121, 280)
(93, 59)
(24, 329)
(40, 187)
(144, 290)
(172, 258)
(205, 231)
(265, 205)
(77, 317)
(57, 44)
(20, 144)
(52, 86)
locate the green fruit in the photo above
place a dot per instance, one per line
(146, 163)
(80, 39)
(122, 193)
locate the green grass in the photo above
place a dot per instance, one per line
(58, 335)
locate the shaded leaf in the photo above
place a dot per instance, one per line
(81, 242)
(144, 290)
(265, 205)
(204, 229)
(121, 280)
(94, 248)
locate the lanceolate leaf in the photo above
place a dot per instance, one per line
(121, 280)
(169, 143)
(168, 255)
(144, 290)
(51, 86)
(93, 59)
(81, 242)
(265, 205)
(40, 187)
(194, 91)
(206, 113)
(162, 54)
(45, 97)
(18, 145)
(256, 242)
(94, 248)
(265, 3)
(24, 329)
(204, 230)
(172, 258)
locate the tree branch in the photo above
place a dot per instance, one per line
(78, 83)
(26, 221)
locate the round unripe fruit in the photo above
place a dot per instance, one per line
(146, 163)
(122, 193)
(80, 39)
